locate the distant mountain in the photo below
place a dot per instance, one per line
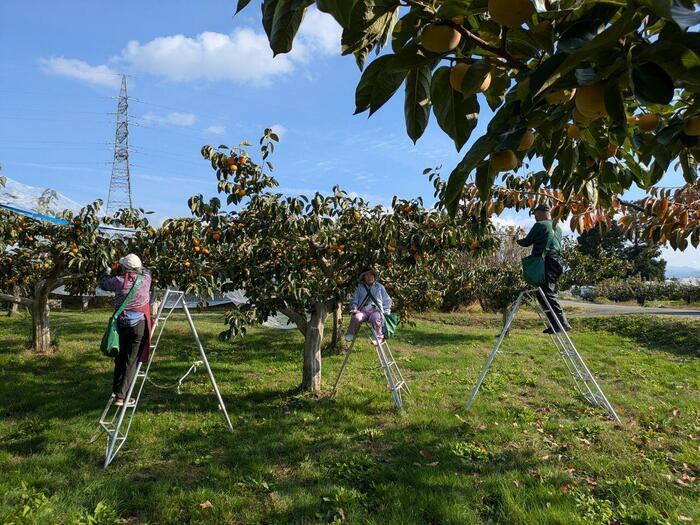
(680, 272)
(34, 198)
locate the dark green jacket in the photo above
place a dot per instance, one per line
(543, 237)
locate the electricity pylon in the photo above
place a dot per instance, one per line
(120, 183)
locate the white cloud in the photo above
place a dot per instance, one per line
(279, 129)
(216, 130)
(98, 75)
(244, 56)
(171, 119)
(319, 32)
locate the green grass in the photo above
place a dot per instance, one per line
(528, 452)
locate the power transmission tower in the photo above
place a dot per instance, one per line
(120, 183)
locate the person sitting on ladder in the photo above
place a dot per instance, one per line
(545, 237)
(134, 324)
(369, 304)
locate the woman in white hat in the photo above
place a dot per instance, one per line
(369, 304)
(134, 324)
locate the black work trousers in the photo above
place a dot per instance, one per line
(552, 270)
(126, 362)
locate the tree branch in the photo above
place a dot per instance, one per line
(15, 299)
(498, 51)
(299, 320)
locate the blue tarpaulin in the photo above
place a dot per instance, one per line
(62, 222)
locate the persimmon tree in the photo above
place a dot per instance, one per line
(301, 255)
(591, 98)
(40, 256)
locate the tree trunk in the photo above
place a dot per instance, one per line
(311, 374)
(14, 307)
(504, 313)
(41, 332)
(337, 326)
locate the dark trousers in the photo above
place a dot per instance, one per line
(126, 362)
(552, 270)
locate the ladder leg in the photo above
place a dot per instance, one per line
(389, 374)
(585, 373)
(100, 428)
(345, 363)
(574, 372)
(487, 366)
(206, 364)
(121, 412)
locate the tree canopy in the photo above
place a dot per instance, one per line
(602, 94)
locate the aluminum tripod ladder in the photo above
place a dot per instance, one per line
(583, 379)
(114, 418)
(394, 379)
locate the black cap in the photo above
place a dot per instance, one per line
(542, 207)
(366, 271)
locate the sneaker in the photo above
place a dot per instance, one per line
(120, 402)
(349, 337)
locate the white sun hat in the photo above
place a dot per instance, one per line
(131, 262)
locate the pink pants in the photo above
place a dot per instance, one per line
(367, 314)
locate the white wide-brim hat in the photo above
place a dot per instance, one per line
(131, 262)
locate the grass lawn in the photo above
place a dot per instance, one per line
(528, 451)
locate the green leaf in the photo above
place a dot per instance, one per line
(455, 114)
(474, 77)
(485, 178)
(281, 20)
(689, 166)
(614, 104)
(495, 94)
(458, 177)
(603, 43)
(676, 58)
(241, 5)
(452, 8)
(338, 9)
(651, 84)
(405, 29)
(369, 22)
(377, 85)
(417, 103)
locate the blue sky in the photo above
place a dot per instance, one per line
(197, 76)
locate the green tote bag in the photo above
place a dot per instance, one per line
(391, 321)
(110, 340)
(533, 269)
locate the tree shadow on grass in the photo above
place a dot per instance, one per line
(432, 339)
(675, 336)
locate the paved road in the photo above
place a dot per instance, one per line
(617, 309)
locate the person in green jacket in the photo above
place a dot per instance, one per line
(545, 237)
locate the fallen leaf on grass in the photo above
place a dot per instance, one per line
(676, 412)
(433, 464)
(206, 505)
(684, 518)
(425, 453)
(417, 464)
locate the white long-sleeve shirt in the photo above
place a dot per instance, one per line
(379, 293)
